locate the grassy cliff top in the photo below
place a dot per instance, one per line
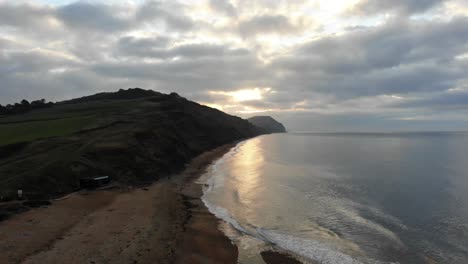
(132, 135)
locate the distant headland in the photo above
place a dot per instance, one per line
(268, 124)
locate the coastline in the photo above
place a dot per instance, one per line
(164, 222)
(271, 254)
(202, 241)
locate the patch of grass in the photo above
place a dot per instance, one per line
(29, 131)
(71, 111)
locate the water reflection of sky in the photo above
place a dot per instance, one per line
(399, 198)
(246, 171)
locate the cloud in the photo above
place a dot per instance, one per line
(157, 48)
(445, 100)
(192, 69)
(143, 47)
(34, 61)
(152, 10)
(7, 44)
(406, 7)
(92, 16)
(28, 18)
(267, 24)
(398, 57)
(224, 7)
(23, 15)
(100, 17)
(393, 44)
(385, 69)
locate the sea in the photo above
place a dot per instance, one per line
(345, 197)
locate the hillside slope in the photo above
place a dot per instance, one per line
(134, 136)
(268, 124)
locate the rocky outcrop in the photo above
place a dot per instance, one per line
(268, 124)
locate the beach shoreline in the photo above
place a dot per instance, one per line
(165, 222)
(270, 254)
(202, 241)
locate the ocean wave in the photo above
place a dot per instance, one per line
(360, 214)
(310, 249)
(307, 248)
(314, 250)
(224, 215)
(368, 224)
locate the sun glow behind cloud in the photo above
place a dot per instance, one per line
(310, 20)
(244, 94)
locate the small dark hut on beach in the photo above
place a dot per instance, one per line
(94, 182)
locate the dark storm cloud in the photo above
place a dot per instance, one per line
(373, 7)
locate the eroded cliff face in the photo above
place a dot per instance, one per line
(268, 124)
(133, 140)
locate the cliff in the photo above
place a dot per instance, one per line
(267, 124)
(135, 136)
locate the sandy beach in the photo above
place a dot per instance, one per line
(165, 222)
(162, 223)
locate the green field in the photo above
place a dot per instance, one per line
(60, 120)
(29, 131)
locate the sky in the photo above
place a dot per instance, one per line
(315, 65)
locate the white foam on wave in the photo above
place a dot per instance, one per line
(310, 249)
(224, 215)
(378, 213)
(351, 211)
(307, 248)
(359, 220)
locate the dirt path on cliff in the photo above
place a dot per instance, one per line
(163, 223)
